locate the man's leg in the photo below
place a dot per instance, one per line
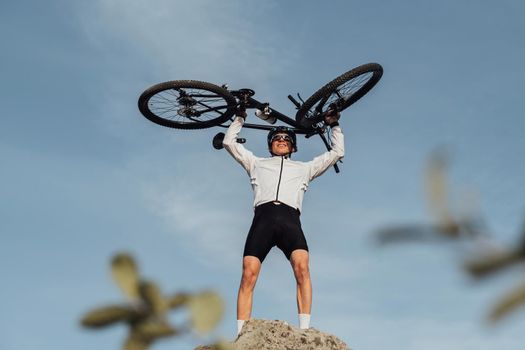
(251, 266)
(299, 261)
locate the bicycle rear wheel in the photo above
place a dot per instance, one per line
(343, 91)
(187, 104)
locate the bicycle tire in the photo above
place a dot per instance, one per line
(344, 90)
(187, 104)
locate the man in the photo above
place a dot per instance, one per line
(279, 184)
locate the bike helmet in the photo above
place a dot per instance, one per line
(282, 130)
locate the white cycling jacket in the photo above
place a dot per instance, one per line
(279, 178)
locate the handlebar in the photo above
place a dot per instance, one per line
(270, 116)
(294, 101)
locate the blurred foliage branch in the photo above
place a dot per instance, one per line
(493, 261)
(449, 224)
(146, 311)
(452, 225)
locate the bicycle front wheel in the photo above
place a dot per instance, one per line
(187, 104)
(343, 91)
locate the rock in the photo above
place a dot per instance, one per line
(278, 335)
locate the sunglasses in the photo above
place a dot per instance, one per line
(281, 137)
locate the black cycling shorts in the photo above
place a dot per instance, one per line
(274, 225)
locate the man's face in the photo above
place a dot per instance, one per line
(281, 145)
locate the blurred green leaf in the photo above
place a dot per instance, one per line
(178, 300)
(135, 343)
(108, 315)
(491, 263)
(436, 183)
(153, 330)
(152, 297)
(509, 303)
(125, 273)
(206, 310)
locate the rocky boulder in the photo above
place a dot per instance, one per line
(278, 335)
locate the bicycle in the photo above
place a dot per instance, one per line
(192, 104)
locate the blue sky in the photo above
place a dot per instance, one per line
(84, 175)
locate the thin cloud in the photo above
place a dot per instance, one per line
(200, 210)
(191, 40)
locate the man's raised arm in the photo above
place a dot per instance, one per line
(321, 163)
(241, 154)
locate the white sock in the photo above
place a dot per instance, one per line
(304, 321)
(240, 323)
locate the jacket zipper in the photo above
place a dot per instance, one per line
(279, 183)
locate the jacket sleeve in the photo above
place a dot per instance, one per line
(321, 163)
(241, 154)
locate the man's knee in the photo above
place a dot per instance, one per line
(301, 271)
(300, 265)
(250, 272)
(249, 277)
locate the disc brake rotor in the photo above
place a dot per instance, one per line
(187, 104)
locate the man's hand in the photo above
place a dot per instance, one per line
(332, 117)
(241, 111)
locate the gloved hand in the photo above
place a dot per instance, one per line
(331, 117)
(241, 112)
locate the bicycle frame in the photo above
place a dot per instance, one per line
(252, 103)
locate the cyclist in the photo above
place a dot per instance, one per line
(279, 184)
